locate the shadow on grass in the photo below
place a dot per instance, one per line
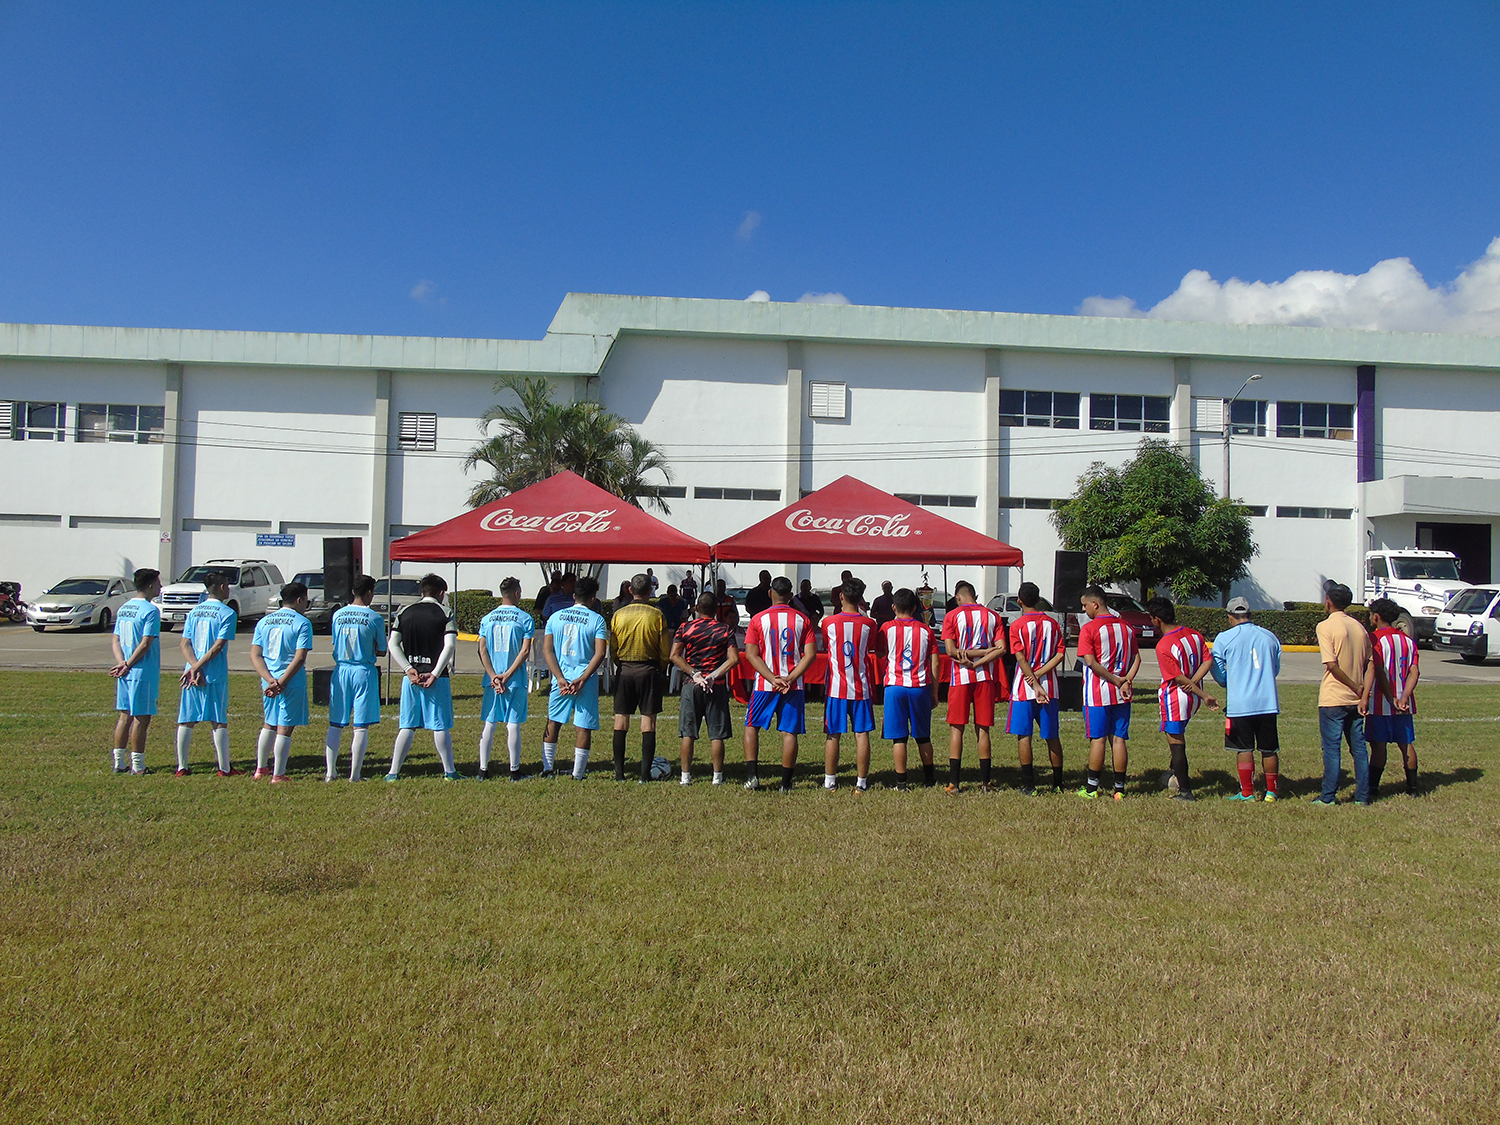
(1310, 785)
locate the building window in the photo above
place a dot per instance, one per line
(418, 431)
(1247, 416)
(97, 421)
(827, 400)
(1256, 509)
(1055, 409)
(1315, 420)
(670, 491)
(1136, 413)
(36, 421)
(1285, 513)
(736, 493)
(1041, 503)
(930, 500)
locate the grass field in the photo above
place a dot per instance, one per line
(207, 949)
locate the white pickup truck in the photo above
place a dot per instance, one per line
(1420, 582)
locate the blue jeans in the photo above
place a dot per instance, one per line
(1336, 724)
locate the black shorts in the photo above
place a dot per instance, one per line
(697, 706)
(638, 688)
(1251, 732)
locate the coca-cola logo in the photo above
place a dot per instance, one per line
(870, 524)
(584, 523)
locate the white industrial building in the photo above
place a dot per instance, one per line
(164, 447)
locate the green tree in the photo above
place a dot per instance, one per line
(536, 437)
(1155, 520)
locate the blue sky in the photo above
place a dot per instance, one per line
(455, 169)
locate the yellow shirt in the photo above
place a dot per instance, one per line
(638, 632)
(1343, 641)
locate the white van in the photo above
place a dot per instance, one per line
(1470, 624)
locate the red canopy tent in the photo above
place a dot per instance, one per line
(850, 521)
(561, 518)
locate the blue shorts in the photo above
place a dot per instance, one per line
(581, 709)
(842, 716)
(427, 708)
(1025, 712)
(1400, 729)
(354, 695)
(1112, 721)
(289, 709)
(789, 711)
(1174, 726)
(206, 704)
(908, 713)
(136, 693)
(508, 706)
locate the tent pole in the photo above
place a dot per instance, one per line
(453, 605)
(389, 583)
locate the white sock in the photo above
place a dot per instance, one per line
(184, 744)
(283, 745)
(862, 783)
(221, 747)
(486, 740)
(513, 744)
(331, 750)
(443, 740)
(398, 752)
(138, 761)
(687, 776)
(549, 755)
(830, 780)
(263, 747)
(718, 777)
(580, 763)
(119, 753)
(357, 748)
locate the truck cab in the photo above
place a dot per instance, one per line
(1420, 582)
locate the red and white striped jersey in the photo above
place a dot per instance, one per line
(780, 633)
(1180, 652)
(1397, 654)
(1039, 638)
(847, 637)
(1109, 641)
(909, 647)
(972, 627)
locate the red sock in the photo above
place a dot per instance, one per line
(1247, 778)
(1270, 782)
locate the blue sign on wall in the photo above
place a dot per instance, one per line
(263, 540)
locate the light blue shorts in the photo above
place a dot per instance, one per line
(508, 706)
(1026, 713)
(582, 709)
(289, 709)
(354, 695)
(845, 716)
(427, 708)
(136, 693)
(206, 704)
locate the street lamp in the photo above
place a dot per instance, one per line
(1228, 409)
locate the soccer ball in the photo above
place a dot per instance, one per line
(661, 769)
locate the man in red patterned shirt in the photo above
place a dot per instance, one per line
(975, 641)
(780, 646)
(1180, 653)
(1107, 648)
(1040, 647)
(846, 638)
(910, 684)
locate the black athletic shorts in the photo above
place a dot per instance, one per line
(1251, 732)
(638, 688)
(697, 706)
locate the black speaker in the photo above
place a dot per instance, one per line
(1070, 574)
(343, 562)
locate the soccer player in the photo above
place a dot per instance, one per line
(278, 651)
(1392, 701)
(574, 644)
(210, 626)
(505, 635)
(354, 693)
(1040, 646)
(642, 646)
(1110, 663)
(780, 646)
(423, 644)
(846, 638)
(704, 649)
(1246, 660)
(911, 684)
(137, 671)
(974, 641)
(1344, 646)
(1180, 652)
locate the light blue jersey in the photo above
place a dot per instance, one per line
(358, 635)
(504, 630)
(574, 631)
(207, 622)
(1247, 660)
(280, 635)
(139, 619)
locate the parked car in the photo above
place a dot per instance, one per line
(319, 611)
(254, 589)
(1009, 607)
(91, 601)
(1470, 624)
(393, 594)
(1133, 614)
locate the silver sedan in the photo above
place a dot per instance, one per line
(91, 601)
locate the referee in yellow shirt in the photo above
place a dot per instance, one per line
(641, 644)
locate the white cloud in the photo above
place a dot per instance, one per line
(424, 292)
(759, 295)
(747, 226)
(1391, 296)
(822, 299)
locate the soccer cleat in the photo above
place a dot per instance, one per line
(753, 783)
(1086, 793)
(1184, 795)
(278, 778)
(902, 787)
(356, 779)
(393, 777)
(482, 775)
(861, 788)
(684, 781)
(548, 773)
(330, 779)
(261, 772)
(1027, 790)
(1318, 801)
(950, 788)
(1119, 795)
(230, 773)
(183, 773)
(454, 776)
(1271, 797)
(121, 769)
(783, 789)
(1238, 797)
(139, 773)
(986, 787)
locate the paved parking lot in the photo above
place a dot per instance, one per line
(20, 647)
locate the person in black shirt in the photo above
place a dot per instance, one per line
(758, 600)
(882, 608)
(423, 645)
(811, 604)
(704, 650)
